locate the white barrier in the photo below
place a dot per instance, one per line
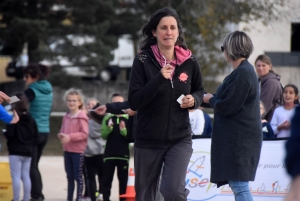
(271, 182)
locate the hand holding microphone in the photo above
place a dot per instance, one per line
(167, 71)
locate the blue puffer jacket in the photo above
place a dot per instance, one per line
(40, 107)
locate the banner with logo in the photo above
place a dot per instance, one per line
(271, 182)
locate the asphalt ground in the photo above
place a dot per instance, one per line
(55, 181)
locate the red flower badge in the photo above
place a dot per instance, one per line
(183, 77)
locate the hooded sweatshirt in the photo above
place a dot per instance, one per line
(161, 122)
(22, 136)
(181, 56)
(271, 93)
(40, 106)
(95, 143)
(77, 128)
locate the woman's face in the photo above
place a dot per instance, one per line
(28, 79)
(262, 68)
(166, 32)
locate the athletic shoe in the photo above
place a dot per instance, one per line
(100, 197)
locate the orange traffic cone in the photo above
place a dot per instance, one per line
(130, 192)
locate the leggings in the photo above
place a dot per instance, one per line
(19, 168)
(73, 168)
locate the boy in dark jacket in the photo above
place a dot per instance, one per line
(116, 152)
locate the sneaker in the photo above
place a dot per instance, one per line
(100, 197)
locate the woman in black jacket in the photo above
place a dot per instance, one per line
(237, 134)
(162, 72)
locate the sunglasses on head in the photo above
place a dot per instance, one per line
(222, 48)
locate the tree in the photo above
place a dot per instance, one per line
(85, 32)
(206, 22)
(75, 30)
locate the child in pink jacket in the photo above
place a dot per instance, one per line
(73, 136)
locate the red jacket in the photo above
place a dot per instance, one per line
(77, 127)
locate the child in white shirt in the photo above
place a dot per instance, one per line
(200, 123)
(282, 115)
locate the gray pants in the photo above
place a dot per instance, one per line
(19, 170)
(147, 167)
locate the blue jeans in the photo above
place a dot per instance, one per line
(241, 190)
(19, 168)
(73, 168)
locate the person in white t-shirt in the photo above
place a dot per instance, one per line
(200, 123)
(282, 115)
(196, 121)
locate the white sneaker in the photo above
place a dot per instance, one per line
(100, 197)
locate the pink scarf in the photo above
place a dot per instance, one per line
(181, 56)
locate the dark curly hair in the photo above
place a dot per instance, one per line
(39, 71)
(151, 25)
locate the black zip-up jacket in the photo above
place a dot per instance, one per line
(22, 136)
(161, 122)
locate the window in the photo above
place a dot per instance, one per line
(295, 39)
